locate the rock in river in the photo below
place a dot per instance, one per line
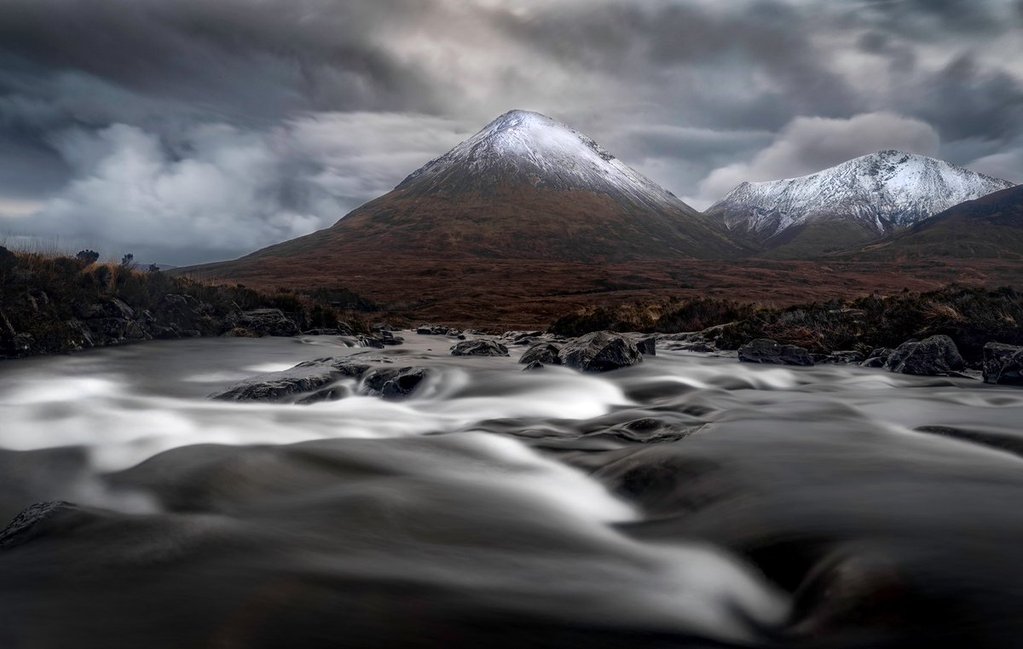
(600, 351)
(305, 378)
(543, 353)
(934, 356)
(1003, 364)
(479, 347)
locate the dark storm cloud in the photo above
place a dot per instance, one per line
(966, 100)
(188, 129)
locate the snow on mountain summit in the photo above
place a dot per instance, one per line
(882, 192)
(531, 147)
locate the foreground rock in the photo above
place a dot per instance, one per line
(479, 347)
(1003, 364)
(934, 356)
(393, 383)
(600, 351)
(769, 352)
(306, 378)
(322, 380)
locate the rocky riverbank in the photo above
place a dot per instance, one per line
(61, 304)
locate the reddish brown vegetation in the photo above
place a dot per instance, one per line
(504, 294)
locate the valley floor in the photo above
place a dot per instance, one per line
(526, 294)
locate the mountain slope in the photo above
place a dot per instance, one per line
(524, 188)
(859, 200)
(990, 227)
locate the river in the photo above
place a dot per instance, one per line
(690, 501)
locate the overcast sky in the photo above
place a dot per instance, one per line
(196, 130)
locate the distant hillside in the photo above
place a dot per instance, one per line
(986, 228)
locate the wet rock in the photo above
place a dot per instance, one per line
(479, 347)
(545, 353)
(600, 351)
(1003, 364)
(934, 356)
(769, 352)
(647, 346)
(307, 377)
(534, 365)
(877, 357)
(266, 322)
(393, 383)
(26, 525)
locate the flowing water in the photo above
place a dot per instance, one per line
(691, 501)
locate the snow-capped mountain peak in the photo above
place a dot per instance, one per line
(884, 191)
(525, 146)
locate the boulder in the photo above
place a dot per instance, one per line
(393, 383)
(934, 356)
(600, 351)
(479, 347)
(306, 377)
(769, 352)
(1003, 364)
(543, 353)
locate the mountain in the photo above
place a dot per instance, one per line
(990, 227)
(526, 187)
(847, 205)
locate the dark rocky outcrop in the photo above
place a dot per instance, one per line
(934, 356)
(304, 378)
(479, 347)
(264, 322)
(1003, 364)
(393, 383)
(542, 353)
(769, 352)
(600, 351)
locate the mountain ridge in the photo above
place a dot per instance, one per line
(870, 196)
